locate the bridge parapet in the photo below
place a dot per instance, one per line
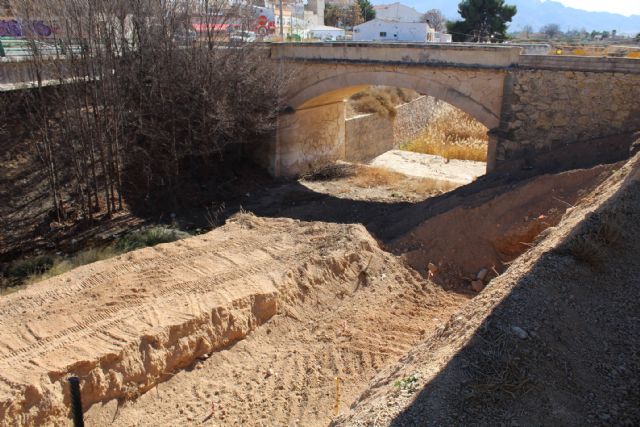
(580, 63)
(431, 54)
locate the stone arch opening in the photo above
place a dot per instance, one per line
(308, 136)
(315, 132)
(415, 135)
(439, 84)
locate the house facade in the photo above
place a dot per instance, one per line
(383, 30)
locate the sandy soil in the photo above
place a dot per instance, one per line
(127, 324)
(553, 341)
(491, 230)
(428, 166)
(251, 323)
(358, 182)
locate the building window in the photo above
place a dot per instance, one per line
(383, 34)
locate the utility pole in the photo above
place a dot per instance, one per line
(281, 20)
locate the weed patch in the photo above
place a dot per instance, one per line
(599, 232)
(63, 265)
(409, 383)
(331, 172)
(149, 237)
(496, 371)
(29, 267)
(46, 266)
(452, 134)
(370, 176)
(381, 100)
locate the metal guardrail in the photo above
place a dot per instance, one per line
(20, 48)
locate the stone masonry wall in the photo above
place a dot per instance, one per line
(368, 136)
(556, 108)
(412, 118)
(308, 139)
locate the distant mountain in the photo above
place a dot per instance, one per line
(538, 13)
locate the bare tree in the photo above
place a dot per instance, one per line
(436, 20)
(127, 95)
(551, 31)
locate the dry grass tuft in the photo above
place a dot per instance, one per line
(61, 266)
(331, 172)
(496, 371)
(370, 176)
(46, 266)
(598, 233)
(381, 100)
(452, 134)
(587, 250)
(448, 151)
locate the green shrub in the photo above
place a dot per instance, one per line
(46, 266)
(149, 237)
(62, 265)
(32, 266)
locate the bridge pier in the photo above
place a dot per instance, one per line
(313, 136)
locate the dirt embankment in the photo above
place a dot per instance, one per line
(553, 341)
(127, 324)
(492, 228)
(252, 323)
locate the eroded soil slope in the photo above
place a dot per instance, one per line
(333, 302)
(553, 341)
(492, 228)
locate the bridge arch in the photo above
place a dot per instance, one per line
(448, 87)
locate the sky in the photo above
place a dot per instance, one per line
(624, 7)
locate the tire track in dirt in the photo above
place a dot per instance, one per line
(140, 319)
(112, 317)
(148, 301)
(284, 373)
(33, 297)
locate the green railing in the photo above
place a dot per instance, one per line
(15, 47)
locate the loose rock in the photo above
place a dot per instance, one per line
(433, 269)
(520, 333)
(477, 285)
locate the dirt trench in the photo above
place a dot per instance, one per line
(134, 323)
(263, 321)
(552, 341)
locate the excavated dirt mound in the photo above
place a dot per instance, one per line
(334, 304)
(491, 230)
(553, 341)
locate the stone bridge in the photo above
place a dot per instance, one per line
(540, 110)
(534, 106)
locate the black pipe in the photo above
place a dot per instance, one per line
(76, 402)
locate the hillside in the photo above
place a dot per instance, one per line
(538, 13)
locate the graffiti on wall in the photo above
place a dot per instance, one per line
(13, 28)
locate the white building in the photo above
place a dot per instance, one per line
(443, 38)
(325, 33)
(397, 12)
(394, 31)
